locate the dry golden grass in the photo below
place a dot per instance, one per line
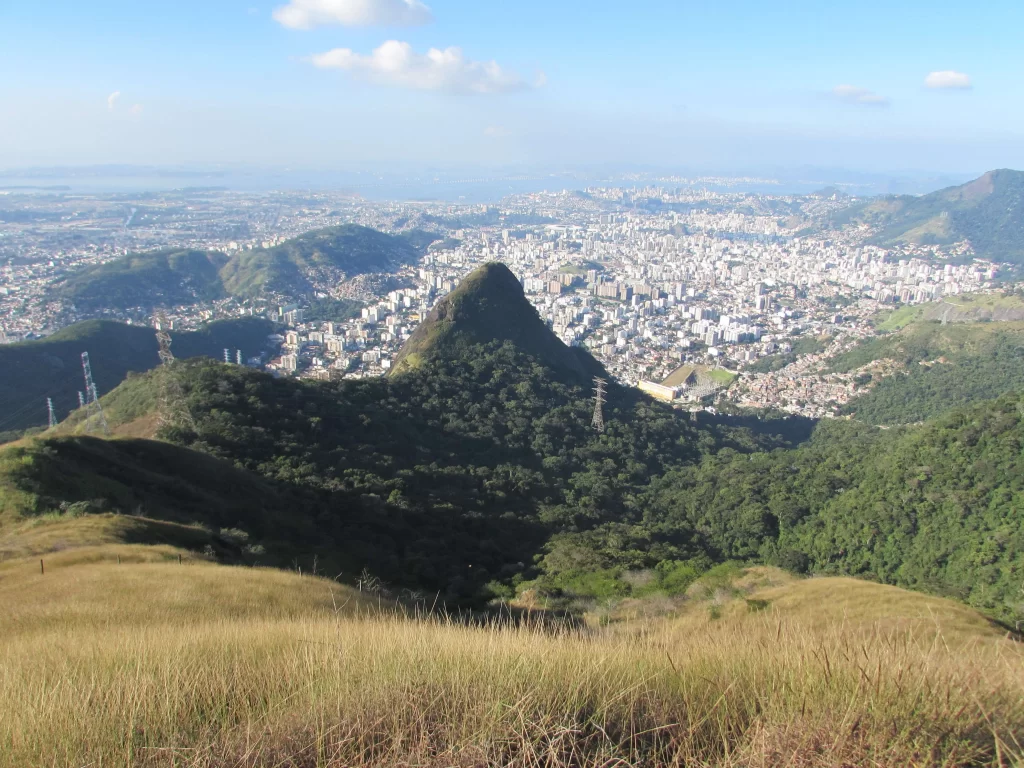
(844, 602)
(85, 588)
(41, 536)
(155, 664)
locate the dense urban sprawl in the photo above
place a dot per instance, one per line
(678, 290)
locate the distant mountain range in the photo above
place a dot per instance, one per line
(52, 367)
(987, 212)
(173, 276)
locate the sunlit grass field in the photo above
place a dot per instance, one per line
(152, 663)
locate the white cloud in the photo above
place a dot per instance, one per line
(948, 80)
(397, 64)
(112, 99)
(497, 132)
(136, 110)
(852, 94)
(306, 14)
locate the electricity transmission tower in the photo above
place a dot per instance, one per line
(163, 338)
(92, 399)
(173, 411)
(598, 422)
(50, 412)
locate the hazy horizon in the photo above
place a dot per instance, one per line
(468, 185)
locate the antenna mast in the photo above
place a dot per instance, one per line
(598, 422)
(50, 413)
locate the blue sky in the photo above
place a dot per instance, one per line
(352, 84)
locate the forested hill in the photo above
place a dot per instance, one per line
(489, 305)
(988, 212)
(448, 479)
(186, 276)
(154, 278)
(480, 473)
(52, 367)
(939, 508)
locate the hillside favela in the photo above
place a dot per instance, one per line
(385, 384)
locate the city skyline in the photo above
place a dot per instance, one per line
(361, 83)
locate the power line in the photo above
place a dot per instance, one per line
(28, 409)
(31, 401)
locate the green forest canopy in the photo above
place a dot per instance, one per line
(481, 473)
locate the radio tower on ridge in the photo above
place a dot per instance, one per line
(50, 412)
(598, 422)
(92, 399)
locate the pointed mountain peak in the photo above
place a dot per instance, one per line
(489, 305)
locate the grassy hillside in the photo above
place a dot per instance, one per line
(988, 212)
(52, 367)
(87, 588)
(200, 665)
(63, 538)
(489, 306)
(70, 492)
(183, 277)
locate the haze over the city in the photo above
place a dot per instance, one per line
(403, 84)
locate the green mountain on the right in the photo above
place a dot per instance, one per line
(987, 212)
(930, 358)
